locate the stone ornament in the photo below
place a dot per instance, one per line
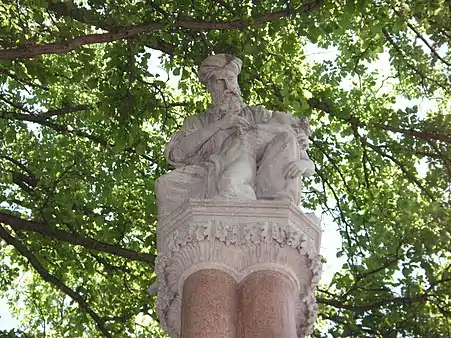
(257, 236)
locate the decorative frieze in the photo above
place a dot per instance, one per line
(243, 238)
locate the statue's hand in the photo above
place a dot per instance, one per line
(297, 168)
(234, 121)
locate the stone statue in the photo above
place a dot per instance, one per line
(236, 256)
(234, 151)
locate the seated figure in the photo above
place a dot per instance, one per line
(234, 151)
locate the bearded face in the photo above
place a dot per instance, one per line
(223, 86)
(228, 102)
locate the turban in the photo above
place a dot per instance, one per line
(216, 62)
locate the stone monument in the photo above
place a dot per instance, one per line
(236, 255)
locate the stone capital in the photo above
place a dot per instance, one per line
(238, 238)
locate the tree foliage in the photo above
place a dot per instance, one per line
(84, 118)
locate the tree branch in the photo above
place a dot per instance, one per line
(437, 55)
(64, 110)
(28, 82)
(21, 166)
(374, 306)
(419, 134)
(317, 104)
(49, 278)
(42, 120)
(401, 166)
(62, 47)
(338, 171)
(86, 16)
(337, 200)
(417, 33)
(21, 224)
(446, 160)
(397, 300)
(412, 67)
(364, 332)
(361, 277)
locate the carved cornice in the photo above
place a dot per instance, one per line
(200, 210)
(238, 238)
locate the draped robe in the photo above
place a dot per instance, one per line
(231, 165)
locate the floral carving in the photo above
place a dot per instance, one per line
(241, 235)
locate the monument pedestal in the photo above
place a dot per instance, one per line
(237, 269)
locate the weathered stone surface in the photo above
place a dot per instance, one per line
(238, 238)
(267, 306)
(214, 314)
(229, 217)
(234, 151)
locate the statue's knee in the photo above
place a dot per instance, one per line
(285, 136)
(162, 184)
(163, 179)
(167, 179)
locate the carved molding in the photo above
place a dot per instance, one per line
(251, 211)
(239, 246)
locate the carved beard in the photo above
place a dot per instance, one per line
(228, 103)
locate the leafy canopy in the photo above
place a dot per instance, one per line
(84, 118)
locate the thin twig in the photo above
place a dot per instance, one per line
(48, 277)
(21, 224)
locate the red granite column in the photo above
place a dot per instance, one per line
(267, 306)
(209, 305)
